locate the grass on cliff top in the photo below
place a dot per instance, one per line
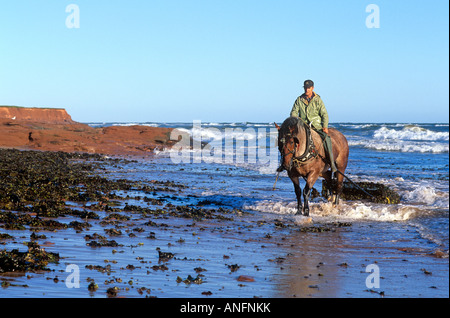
(12, 106)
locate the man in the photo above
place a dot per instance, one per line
(309, 107)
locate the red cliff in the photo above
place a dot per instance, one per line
(44, 115)
(54, 130)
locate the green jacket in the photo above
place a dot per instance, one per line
(313, 112)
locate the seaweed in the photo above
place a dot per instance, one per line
(378, 193)
(36, 258)
(189, 280)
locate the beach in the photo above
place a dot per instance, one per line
(147, 154)
(145, 226)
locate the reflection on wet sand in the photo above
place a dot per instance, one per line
(311, 268)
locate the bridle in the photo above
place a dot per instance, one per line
(309, 153)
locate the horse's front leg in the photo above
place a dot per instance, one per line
(310, 180)
(306, 194)
(298, 193)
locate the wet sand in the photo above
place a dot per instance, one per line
(165, 247)
(285, 263)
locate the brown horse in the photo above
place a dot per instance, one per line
(303, 154)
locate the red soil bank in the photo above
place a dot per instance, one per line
(53, 129)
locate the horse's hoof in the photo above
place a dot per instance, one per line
(336, 200)
(303, 220)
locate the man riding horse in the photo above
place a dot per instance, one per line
(307, 152)
(310, 108)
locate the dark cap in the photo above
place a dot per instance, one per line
(308, 84)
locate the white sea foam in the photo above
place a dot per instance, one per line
(413, 203)
(278, 207)
(129, 124)
(427, 195)
(344, 211)
(401, 145)
(96, 124)
(211, 133)
(410, 132)
(359, 126)
(402, 138)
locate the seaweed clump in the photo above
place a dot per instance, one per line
(42, 182)
(36, 258)
(376, 192)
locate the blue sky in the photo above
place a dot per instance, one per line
(226, 61)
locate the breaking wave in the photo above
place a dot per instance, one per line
(427, 195)
(402, 145)
(346, 210)
(411, 138)
(410, 132)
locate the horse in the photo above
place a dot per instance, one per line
(303, 155)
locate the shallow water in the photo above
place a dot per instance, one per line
(408, 242)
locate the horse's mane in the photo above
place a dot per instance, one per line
(287, 125)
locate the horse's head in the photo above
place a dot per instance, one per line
(288, 141)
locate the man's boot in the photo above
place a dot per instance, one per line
(329, 153)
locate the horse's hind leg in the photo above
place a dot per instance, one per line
(328, 185)
(298, 193)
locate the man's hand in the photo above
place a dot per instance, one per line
(325, 130)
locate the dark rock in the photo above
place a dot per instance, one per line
(380, 193)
